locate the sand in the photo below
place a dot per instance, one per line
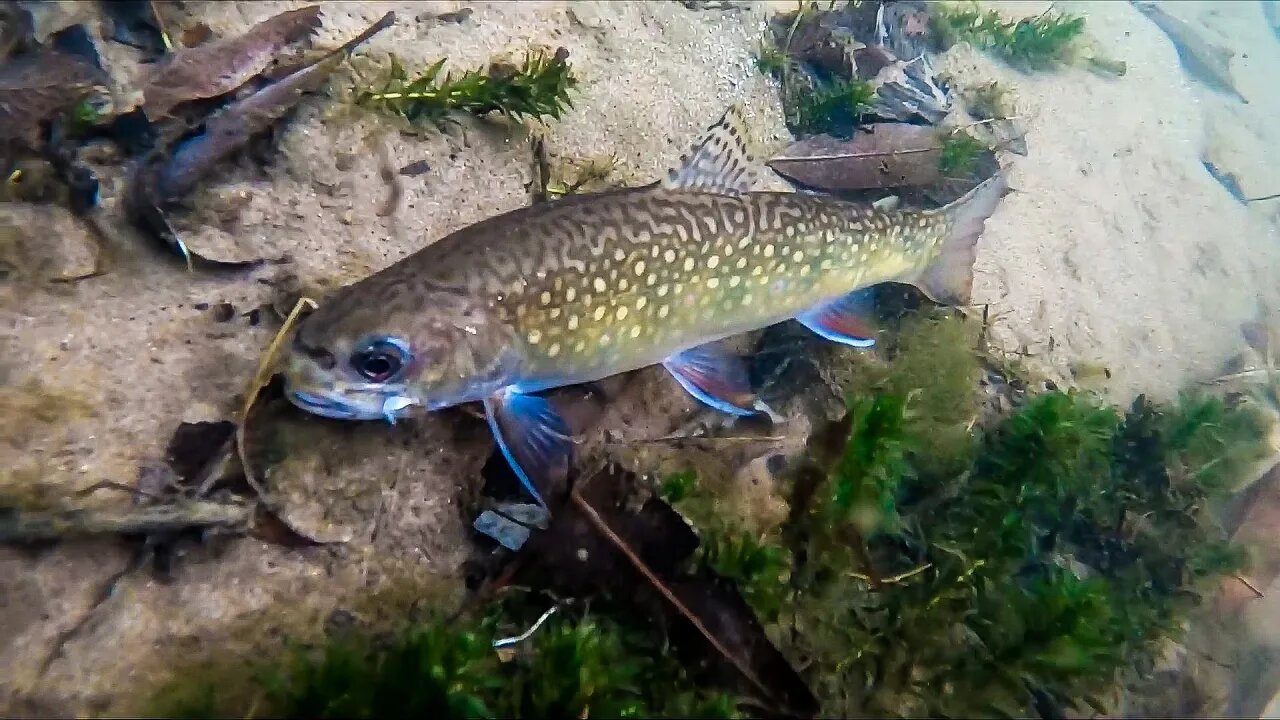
(1118, 245)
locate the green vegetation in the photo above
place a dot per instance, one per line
(1038, 43)
(570, 667)
(959, 153)
(539, 86)
(936, 562)
(811, 105)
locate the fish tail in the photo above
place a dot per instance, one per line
(949, 278)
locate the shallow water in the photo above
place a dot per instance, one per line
(1125, 245)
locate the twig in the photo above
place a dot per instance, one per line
(1249, 585)
(105, 593)
(1264, 197)
(895, 578)
(20, 526)
(514, 639)
(603, 528)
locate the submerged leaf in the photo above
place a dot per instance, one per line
(34, 88)
(219, 67)
(880, 156)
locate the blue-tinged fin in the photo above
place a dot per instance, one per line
(715, 377)
(720, 161)
(847, 320)
(532, 436)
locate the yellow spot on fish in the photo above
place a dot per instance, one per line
(622, 313)
(580, 346)
(662, 311)
(744, 242)
(757, 270)
(641, 302)
(713, 261)
(640, 268)
(768, 250)
(653, 251)
(713, 283)
(663, 290)
(688, 263)
(598, 314)
(534, 336)
(669, 255)
(620, 255)
(545, 298)
(555, 313)
(742, 262)
(623, 284)
(746, 299)
(797, 256)
(553, 350)
(733, 281)
(573, 322)
(605, 339)
(569, 294)
(599, 284)
(653, 278)
(635, 331)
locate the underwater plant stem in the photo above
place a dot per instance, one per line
(266, 367)
(603, 528)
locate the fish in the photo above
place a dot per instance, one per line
(588, 286)
(1205, 61)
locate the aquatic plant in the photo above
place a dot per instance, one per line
(826, 107)
(1038, 43)
(538, 86)
(574, 665)
(959, 153)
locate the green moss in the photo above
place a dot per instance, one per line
(571, 667)
(827, 107)
(539, 86)
(1038, 43)
(960, 152)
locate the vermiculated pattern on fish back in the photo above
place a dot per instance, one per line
(635, 275)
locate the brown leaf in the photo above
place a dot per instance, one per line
(600, 541)
(884, 155)
(34, 88)
(219, 67)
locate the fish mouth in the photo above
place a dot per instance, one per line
(378, 406)
(330, 407)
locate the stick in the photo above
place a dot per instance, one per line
(600, 525)
(22, 526)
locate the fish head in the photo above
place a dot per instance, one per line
(367, 355)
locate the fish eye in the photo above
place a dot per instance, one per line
(380, 359)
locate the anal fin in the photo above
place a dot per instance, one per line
(846, 320)
(532, 436)
(720, 161)
(716, 378)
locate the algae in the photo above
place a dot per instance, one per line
(1040, 43)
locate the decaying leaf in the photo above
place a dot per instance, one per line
(35, 87)
(216, 68)
(605, 540)
(162, 179)
(884, 155)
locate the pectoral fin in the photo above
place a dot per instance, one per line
(846, 320)
(532, 436)
(714, 377)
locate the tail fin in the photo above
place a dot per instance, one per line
(948, 280)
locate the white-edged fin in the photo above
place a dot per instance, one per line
(948, 280)
(533, 437)
(720, 162)
(848, 320)
(715, 377)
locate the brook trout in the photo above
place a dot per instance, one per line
(589, 286)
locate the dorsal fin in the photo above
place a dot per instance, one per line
(720, 162)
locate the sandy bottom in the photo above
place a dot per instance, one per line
(1117, 245)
